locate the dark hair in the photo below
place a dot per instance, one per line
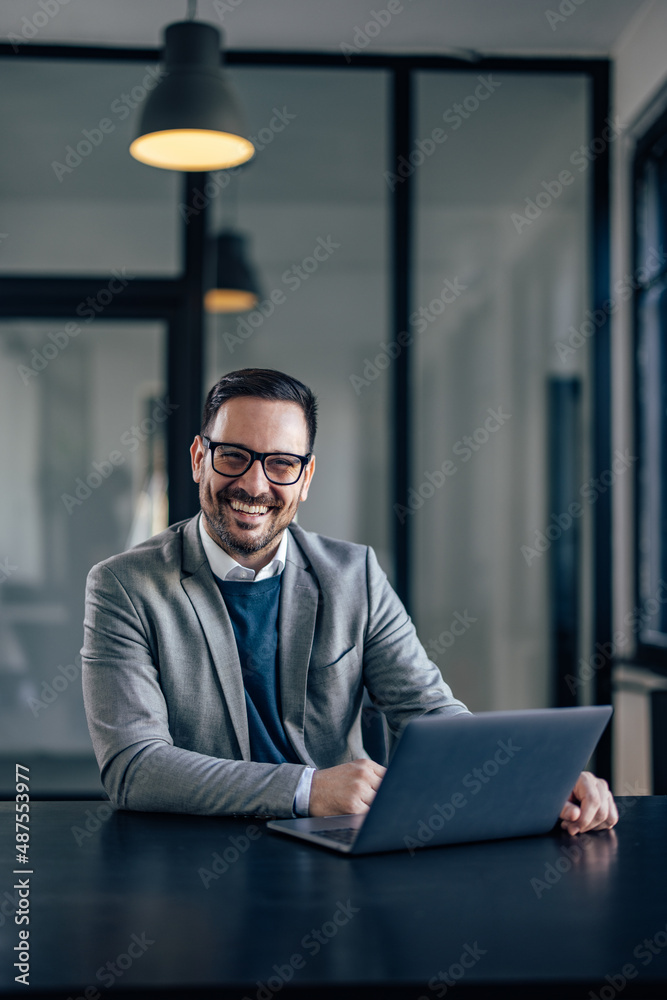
(265, 384)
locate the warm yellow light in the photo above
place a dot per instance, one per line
(228, 300)
(192, 149)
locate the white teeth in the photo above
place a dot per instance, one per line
(237, 505)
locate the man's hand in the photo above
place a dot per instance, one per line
(591, 806)
(345, 789)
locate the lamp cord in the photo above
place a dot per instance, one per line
(192, 10)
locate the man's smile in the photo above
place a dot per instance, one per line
(247, 508)
(248, 511)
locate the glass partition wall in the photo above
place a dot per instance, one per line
(501, 283)
(83, 446)
(315, 205)
(499, 279)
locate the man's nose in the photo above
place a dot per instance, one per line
(254, 480)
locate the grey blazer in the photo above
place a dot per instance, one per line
(163, 687)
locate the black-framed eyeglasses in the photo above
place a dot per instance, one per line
(234, 460)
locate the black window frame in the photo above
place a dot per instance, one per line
(649, 155)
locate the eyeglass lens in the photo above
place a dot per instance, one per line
(278, 468)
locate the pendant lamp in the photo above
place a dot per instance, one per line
(236, 288)
(192, 121)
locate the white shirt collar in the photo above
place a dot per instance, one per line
(225, 568)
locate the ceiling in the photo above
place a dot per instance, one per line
(511, 27)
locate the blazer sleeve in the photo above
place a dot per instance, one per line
(401, 680)
(129, 725)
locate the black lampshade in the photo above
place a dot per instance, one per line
(236, 288)
(192, 120)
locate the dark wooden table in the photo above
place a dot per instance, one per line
(184, 906)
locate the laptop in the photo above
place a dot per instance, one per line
(467, 778)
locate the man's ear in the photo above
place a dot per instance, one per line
(307, 476)
(198, 457)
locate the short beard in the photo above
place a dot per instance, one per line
(220, 527)
(232, 543)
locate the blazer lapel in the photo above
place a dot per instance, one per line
(299, 596)
(201, 588)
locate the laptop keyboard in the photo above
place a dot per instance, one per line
(344, 835)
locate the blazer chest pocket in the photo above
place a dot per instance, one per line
(346, 664)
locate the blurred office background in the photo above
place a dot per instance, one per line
(529, 191)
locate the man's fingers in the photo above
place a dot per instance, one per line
(611, 817)
(613, 812)
(592, 808)
(601, 813)
(569, 815)
(377, 774)
(370, 781)
(366, 795)
(345, 788)
(590, 803)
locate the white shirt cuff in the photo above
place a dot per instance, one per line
(302, 797)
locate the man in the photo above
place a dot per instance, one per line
(224, 660)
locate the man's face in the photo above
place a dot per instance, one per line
(260, 425)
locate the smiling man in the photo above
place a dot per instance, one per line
(225, 659)
(248, 497)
